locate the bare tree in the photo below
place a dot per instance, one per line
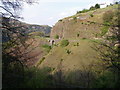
(109, 50)
(13, 67)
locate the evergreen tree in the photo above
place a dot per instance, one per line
(97, 6)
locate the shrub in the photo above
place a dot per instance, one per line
(41, 61)
(91, 15)
(64, 43)
(61, 60)
(60, 20)
(97, 6)
(68, 51)
(92, 22)
(75, 18)
(47, 36)
(56, 37)
(104, 30)
(92, 8)
(116, 2)
(106, 23)
(104, 80)
(77, 44)
(83, 11)
(38, 78)
(47, 47)
(83, 38)
(111, 38)
(111, 4)
(78, 35)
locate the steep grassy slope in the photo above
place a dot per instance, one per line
(81, 54)
(81, 30)
(81, 25)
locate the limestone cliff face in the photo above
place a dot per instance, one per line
(71, 29)
(83, 25)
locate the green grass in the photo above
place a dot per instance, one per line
(37, 78)
(47, 47)
(104, 80)
(104, 30)
(93, 40)
(83, 54)
(75, 57)
(64, 43)
(106, 24)
(40, 61)
(83, 11)
(56, 37)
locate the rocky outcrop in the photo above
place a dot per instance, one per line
(76, 27)
(83, 25)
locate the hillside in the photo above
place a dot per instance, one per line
(82, 31)
(83, 25)
(38, 28)
(80, 55)
(26, 29)
(80, 51)
(28, 38)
